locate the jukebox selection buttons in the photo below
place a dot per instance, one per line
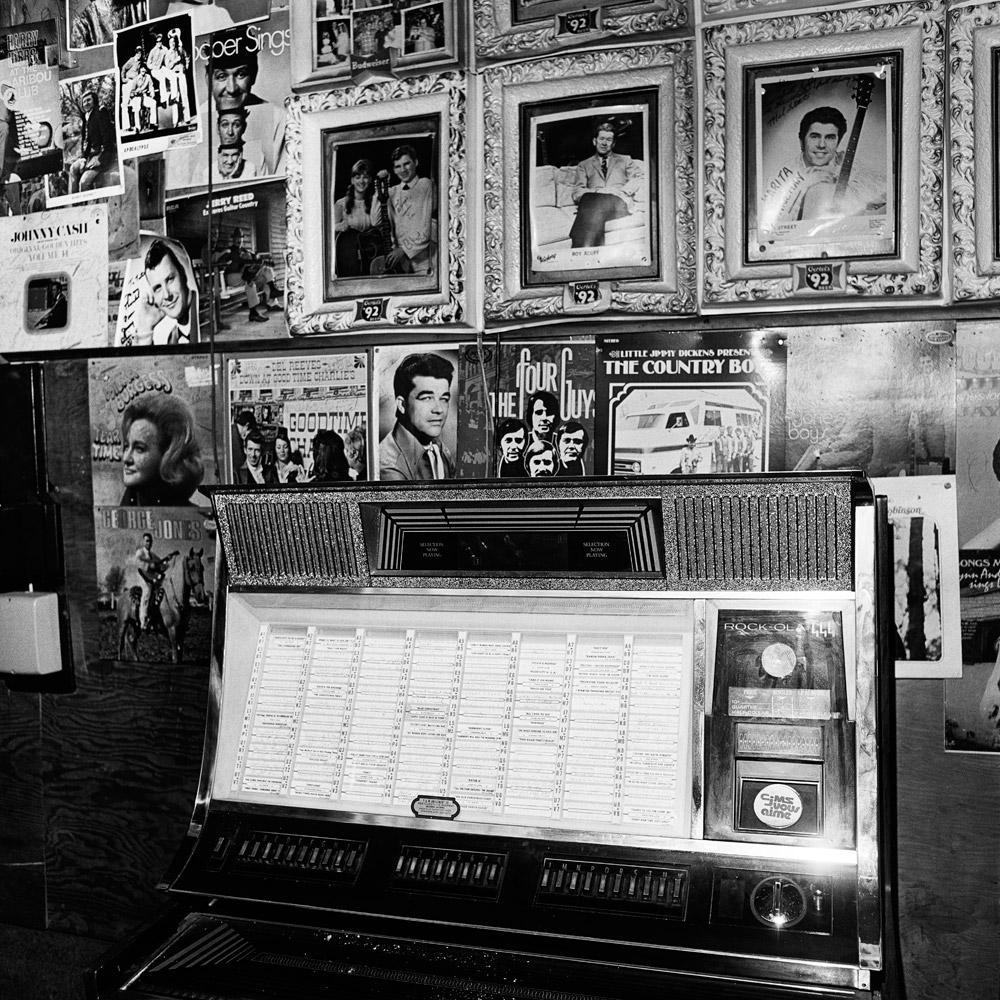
(273, 854)
(467, 873)
(624, 888)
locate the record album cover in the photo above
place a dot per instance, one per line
(779, 664)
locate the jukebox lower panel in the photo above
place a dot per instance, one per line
(596, 894)
(216, 956)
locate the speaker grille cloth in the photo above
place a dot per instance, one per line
(800, 539)
(288, 540)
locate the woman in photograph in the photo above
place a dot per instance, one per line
(161, 457)
(325, 55)
(343, 42)
(288, 466)
(357, 219)
(330, 463)
(541, 414)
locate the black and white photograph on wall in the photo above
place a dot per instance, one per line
(213, 15)
(151, 431)
(245, 263)
(424, 28)
(30, 119)
(333, 42)
(381, 229)
(154, 64)
(373, 33)
(972, 709)
(874, 396)
(298, 418)
(822, 161)
(94, 22)
(682, 403)
(589, 173)
(923, 516)
(159, 298)
(30, 43)
(155, 569)
(31, 13)
(92, 159)
(417, 411)
(995, 148)
(55, 293)
(537, 410)
(241, 103)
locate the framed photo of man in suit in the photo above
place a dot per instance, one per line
(592, 189)
(589, 183)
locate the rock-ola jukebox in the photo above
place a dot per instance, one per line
(547, 740)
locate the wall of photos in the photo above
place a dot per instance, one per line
(634, 238)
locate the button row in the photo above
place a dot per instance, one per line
(311, 853)
(662, 886)
(459, 868)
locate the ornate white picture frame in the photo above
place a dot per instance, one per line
(974, 37)
(506, 29)
(906, 216)
(409, 136)
(536, 179)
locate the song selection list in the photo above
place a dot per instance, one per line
(527, 727)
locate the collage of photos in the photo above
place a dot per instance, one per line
(355, 35)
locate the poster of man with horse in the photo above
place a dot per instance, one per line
(156, 577)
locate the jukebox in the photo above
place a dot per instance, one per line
(562, 740)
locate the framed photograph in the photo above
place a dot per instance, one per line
(823, 156)
(821, 178)
(589, 198)
(340, 40)
(975, 149)
(387, 163)
(511, 28)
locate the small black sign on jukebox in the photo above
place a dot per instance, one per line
(779, 766)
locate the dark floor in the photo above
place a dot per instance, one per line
(45, 965)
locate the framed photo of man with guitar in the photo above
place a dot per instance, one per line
(822, 178)
(824, 155)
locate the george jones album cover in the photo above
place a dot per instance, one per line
(779, 664)
(684, 402)
(530, 415)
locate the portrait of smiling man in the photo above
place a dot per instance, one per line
(169, 312)
(825, 164)
(413, 449)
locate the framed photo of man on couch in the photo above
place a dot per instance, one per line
(589, 183)
(592, 189)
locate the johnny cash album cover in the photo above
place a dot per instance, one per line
(779, 664)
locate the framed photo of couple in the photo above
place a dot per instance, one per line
(511, 28)
(377, 206)
(823, 155)
(590, 184)
(975, 179)
(337, 40)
